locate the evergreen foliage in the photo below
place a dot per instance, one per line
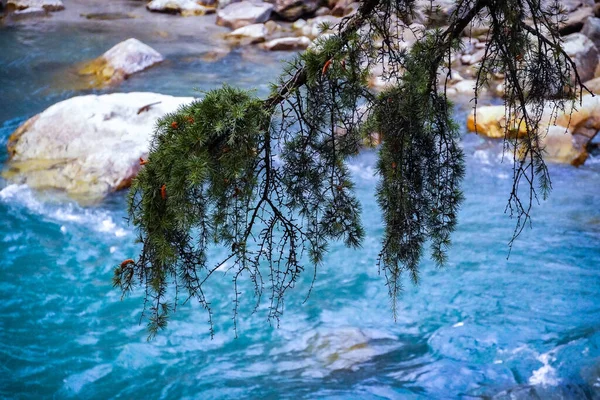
(268, 179)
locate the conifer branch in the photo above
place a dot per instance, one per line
(267, 181)
(299, 79)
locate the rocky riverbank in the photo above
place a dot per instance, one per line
(45, 157)
(277, 25)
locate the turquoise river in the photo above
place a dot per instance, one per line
(488, 325)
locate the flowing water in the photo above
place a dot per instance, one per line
(487, 325)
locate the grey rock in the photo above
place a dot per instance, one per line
(583, 51)
(132, 56)
(249, 34)
(591, 29)
(571, 5)
(291, 10)
(122, 60)
(236, 15)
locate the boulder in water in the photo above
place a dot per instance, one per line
(564, 136)
(560, 145)
(87, 146)
(323, 351)
(184, 7)
(465, 86)
(254, 33)
(236, 15)
(489, 122)
(287, 43)
(119, 62)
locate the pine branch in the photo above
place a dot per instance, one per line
(268, 180)
(298, 80)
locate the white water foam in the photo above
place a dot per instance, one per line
(96, 219)
(546, 374)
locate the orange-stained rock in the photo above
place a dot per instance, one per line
(564, 133)
(490, 121)
(122, 60)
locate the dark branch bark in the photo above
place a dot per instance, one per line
(299, 78)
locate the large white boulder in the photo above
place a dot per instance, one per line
(87, 146)
(119, 62)
(236, 15)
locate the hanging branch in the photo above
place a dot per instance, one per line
(266, 181)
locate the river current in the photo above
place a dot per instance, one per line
(487, 325)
